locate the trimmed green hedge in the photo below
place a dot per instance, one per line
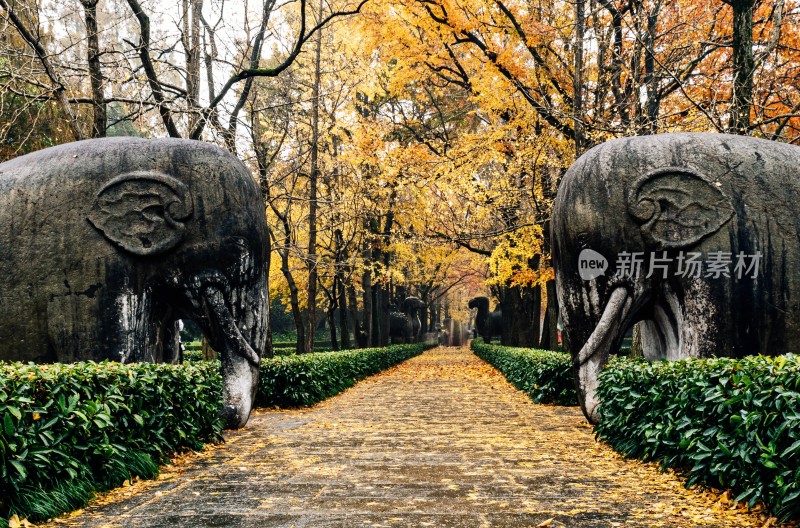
(196, 354)
(289, 350)
(544, 375)
(318, 345)
(68, 430)
(731, 423)
(192, 346)
(298, 380)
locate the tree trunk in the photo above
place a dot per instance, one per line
(149, 68)
(358, 327)
(436, 316)
(386, 258)
(366, 286)
(522, 308)
(99, 116)
(377, 327)
(208, 353)
(332, 321)
(651, 82)
(340, 289)
(294, 302)
(577, 85)
(385, 319)
(192, 10)
(617, 58)
(229, 134)
(743, 65)
(344, 324)
(312, 197)
(60, 89)
(550, 327)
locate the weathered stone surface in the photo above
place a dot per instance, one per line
(668, 196)
(104, 244)
(489, 324)
(441, 440)
(404, 327)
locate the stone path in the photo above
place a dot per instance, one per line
(441, 440)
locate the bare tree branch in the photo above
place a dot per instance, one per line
(147, 62)
(302, 37)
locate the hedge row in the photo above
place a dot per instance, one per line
(732, 424)
(192, 354)
(297, 380)
(289, 350)
(543, 375)
(68, 430)
(318, 345)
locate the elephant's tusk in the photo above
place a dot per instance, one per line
(619, 303)
(216, 300)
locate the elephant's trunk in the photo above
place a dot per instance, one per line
(240, 336)
(594, 353)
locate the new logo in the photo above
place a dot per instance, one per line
(591, 264)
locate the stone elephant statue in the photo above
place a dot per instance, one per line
(694, 235)
(405, 326)
(489, 324)
(105, 244)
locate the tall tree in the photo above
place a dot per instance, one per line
(313, 180)
(99, 113)
(743, 65)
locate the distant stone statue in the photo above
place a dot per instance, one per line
(412, 307)
(105, 244)
(454, 334)
(694, 235)
(488, 324)
(405, 326)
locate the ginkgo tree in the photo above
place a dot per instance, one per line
(538, 83)
(483, 165)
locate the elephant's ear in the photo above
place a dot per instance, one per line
(143, 212)
(677, 207)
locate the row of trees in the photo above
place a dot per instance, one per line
(410, 147)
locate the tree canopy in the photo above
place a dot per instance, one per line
(404, 147)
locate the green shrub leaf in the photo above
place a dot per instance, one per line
(751, 440)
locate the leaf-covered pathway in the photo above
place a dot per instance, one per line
(441, 440)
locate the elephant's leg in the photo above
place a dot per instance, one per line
(153, 331)
(172, 342)
(663, 332)
(139, 326)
